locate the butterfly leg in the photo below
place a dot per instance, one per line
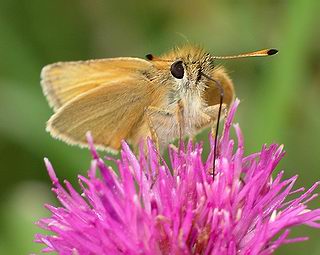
(168, 119)
(152, 130)
(157, 120)
(161, 123)
(181, 121)
(212, 112)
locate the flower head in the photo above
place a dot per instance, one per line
(151, 208)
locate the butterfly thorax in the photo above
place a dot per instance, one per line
(185, 101)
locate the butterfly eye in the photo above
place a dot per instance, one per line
(177, 69)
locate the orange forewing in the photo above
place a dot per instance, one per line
(63, 81)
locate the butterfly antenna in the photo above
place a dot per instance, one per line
(151, 57)
(215, 150)
(258, 53)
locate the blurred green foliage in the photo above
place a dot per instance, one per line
(280, 95)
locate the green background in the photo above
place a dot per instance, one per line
(280, 94)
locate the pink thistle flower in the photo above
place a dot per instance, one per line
(150, 208)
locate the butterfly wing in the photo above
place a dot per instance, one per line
(112, 112)
(63, 81)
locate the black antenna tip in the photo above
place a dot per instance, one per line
(149, 56)
(272, 52)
